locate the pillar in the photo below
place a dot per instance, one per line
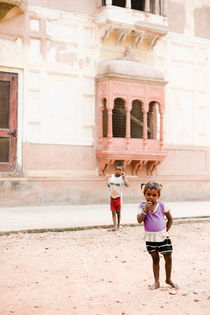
(157, 8)
(147, 6)
(108, 2)
(109, 133)
(165, 7)
(100, 124)
(161, 131)
(128, 128)
(145, 129)
(128, 4)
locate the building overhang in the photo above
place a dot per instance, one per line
(129, 69)
(139, 25)
(11, 8)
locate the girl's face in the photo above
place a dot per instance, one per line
(151, 195)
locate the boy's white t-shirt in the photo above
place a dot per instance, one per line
(116, 186)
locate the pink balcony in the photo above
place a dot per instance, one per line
(130, 115)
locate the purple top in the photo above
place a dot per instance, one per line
(154, 222)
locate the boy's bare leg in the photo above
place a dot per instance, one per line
(168, 268)
(156, 269)
(114, 220)
(118, 219)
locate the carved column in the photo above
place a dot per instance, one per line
(161, 131)
(128, 4)
(108, 2)
(145, 129)
(109, 133)
(165, 7)
(100, 125)
(157, 8)
(128, 128)
(147, 6)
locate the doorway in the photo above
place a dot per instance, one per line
(8, 120)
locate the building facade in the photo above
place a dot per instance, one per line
(85, 84)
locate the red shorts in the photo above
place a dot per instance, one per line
(115, 204)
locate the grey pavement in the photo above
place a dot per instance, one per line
(80, 216)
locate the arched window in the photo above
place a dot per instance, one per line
(119, 3)
(118, 118)
(153, 121)
(136, 118)
(137, 5)
(105, 120)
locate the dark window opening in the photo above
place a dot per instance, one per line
(137, 5)
(136, 120)
(119, 3)
(105, 120)
(4, 103)
(118, 119)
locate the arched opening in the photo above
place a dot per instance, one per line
(119, 3)
(118, 118)
(153, 121)
(137, 5)
(105, 119)
(136, 120)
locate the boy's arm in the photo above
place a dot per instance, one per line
(169, 222)
(108, 181)
(125, 180)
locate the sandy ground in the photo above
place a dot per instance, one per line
(99, 272)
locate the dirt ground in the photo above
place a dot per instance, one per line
(98, 272)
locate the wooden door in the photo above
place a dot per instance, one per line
(8, 120)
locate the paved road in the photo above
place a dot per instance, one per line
(72, 216)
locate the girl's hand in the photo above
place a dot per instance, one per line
(149, 205)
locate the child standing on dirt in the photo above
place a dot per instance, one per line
(115, 183)
(152, 213)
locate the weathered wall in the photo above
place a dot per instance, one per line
(56, 56)
(81, 6)
(189, 17)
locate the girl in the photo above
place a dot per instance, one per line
(152, 212)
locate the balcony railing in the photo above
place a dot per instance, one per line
(140, 20)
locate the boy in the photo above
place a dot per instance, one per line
(115, 182)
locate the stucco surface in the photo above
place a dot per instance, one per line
(81, 6)
(176, 17)
(202, 22)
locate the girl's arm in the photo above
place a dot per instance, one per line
(169, 222)
(142, 215)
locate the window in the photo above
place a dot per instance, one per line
(136, 119)
(137, 5)
(119, 3)
(105, 120)
(118, 118)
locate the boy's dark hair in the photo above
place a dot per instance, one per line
(151, 185)
(120, 164)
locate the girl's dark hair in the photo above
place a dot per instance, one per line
(151, 185)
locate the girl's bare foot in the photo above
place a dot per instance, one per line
(173, 285)
(154, 286)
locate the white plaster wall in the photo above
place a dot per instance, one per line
(61, 79)
(186, 63)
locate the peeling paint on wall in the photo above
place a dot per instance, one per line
(202, 22)
(176, 17)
